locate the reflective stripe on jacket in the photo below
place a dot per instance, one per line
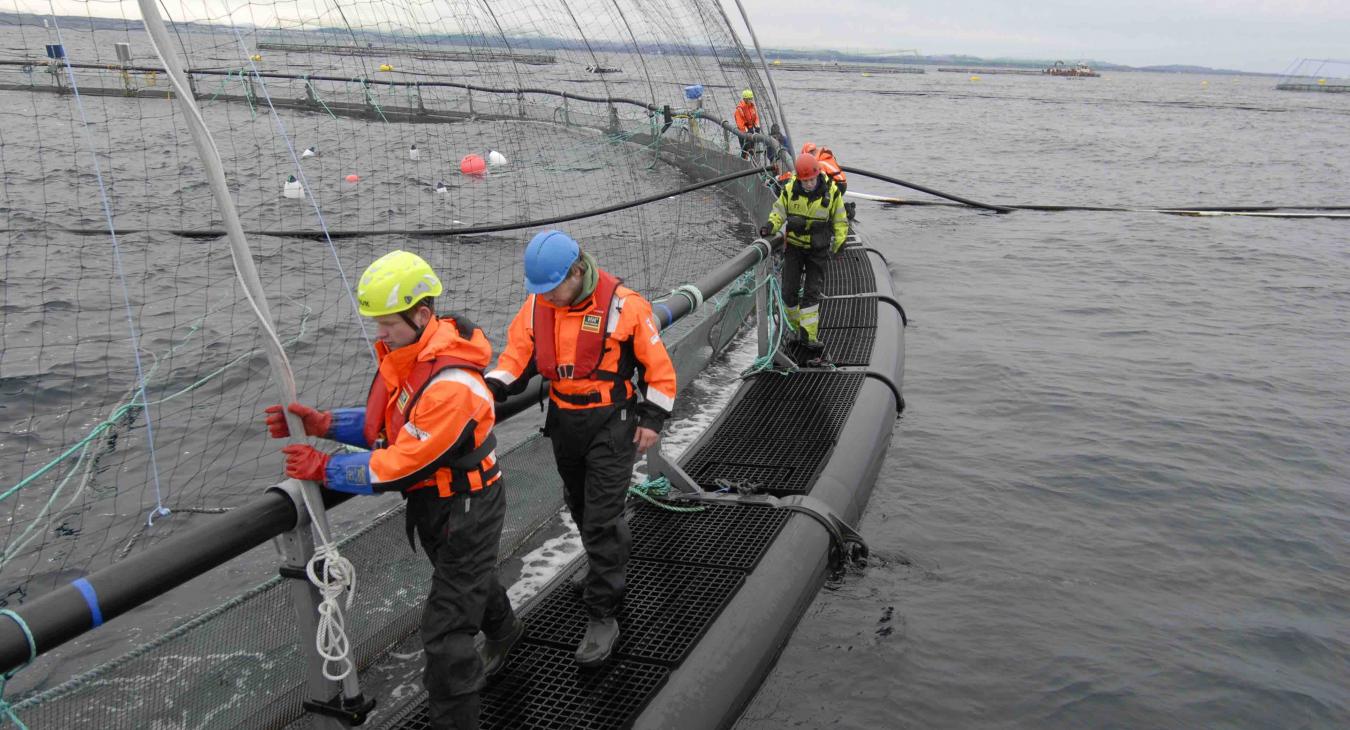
(822, 207)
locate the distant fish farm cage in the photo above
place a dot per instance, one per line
(835, 67)
(991, 71)
(1316, 74)
(426, 54)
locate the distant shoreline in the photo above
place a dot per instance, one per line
(829, 56)
(9, 18)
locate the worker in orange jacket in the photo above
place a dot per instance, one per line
(828, 165)
(747, 120)
(588, 335)
(427, 424)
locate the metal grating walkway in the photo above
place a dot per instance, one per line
(725, 535)
(666, 608)
(778, 432)
(850, 273)
(542, 688)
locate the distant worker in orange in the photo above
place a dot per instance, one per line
(588, 336)
(810, 213)
(747, 120)
(427, 424)
(828, 165)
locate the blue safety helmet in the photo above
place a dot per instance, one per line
(548, 258)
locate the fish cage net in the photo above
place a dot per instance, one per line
(243, 663)
(1316, 74)
(131, 363)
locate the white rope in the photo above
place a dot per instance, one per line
(331, 639)
(692, 293)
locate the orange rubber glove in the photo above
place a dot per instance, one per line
(305, 462)
(317, 423)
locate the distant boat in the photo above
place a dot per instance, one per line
(1082, 70)
(603, 70)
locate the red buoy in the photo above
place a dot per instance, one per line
(472, 165)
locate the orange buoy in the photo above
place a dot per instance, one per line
(353, 178)
(472, 165)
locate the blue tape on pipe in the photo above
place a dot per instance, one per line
(91, 598)
(670, 316)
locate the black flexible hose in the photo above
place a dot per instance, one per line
(469, 230)
(930, 191)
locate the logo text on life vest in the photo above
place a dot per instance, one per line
(590, 323)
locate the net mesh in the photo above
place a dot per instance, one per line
(132, 373)
(132, 376)
(242, 664)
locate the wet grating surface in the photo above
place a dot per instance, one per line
(724, 535)
(778, 432)
(761, 463)
(850, 273)
(542, 688)
(666, 609)
(850, 347)
(789, 407)
(859, 312)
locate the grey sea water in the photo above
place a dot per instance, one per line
(1120, 494)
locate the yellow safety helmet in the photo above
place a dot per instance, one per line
(394, 283)
(747, 94)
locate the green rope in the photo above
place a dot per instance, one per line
(765, 363)
(314, 91)
(5, 707)
(126, 410)
(652, 490)
(370, 99)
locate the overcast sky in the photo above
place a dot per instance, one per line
(1249, 35)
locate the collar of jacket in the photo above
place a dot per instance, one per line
(589, 278)
(822, 184)
(440, 337)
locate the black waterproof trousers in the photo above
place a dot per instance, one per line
(460, 535)
(812, 262)
(594, 450)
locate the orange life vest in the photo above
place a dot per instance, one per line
(590, 341)
(387, 414)
(590, 346)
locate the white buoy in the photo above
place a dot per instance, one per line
(414, 153)
(293, 188)
(441, 189)
(310, 152)
(496, 158)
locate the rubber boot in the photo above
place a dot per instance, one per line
(578, 579)
(497, 650)
(814, 350)
(598, 643)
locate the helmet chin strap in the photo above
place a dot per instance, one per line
(417, 331)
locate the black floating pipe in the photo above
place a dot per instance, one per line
(930, 191)
(420, 232)
(73, 609)
(65, 613)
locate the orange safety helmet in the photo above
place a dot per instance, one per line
(809, 148)
(807, 166)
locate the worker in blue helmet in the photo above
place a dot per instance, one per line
(611, 387)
